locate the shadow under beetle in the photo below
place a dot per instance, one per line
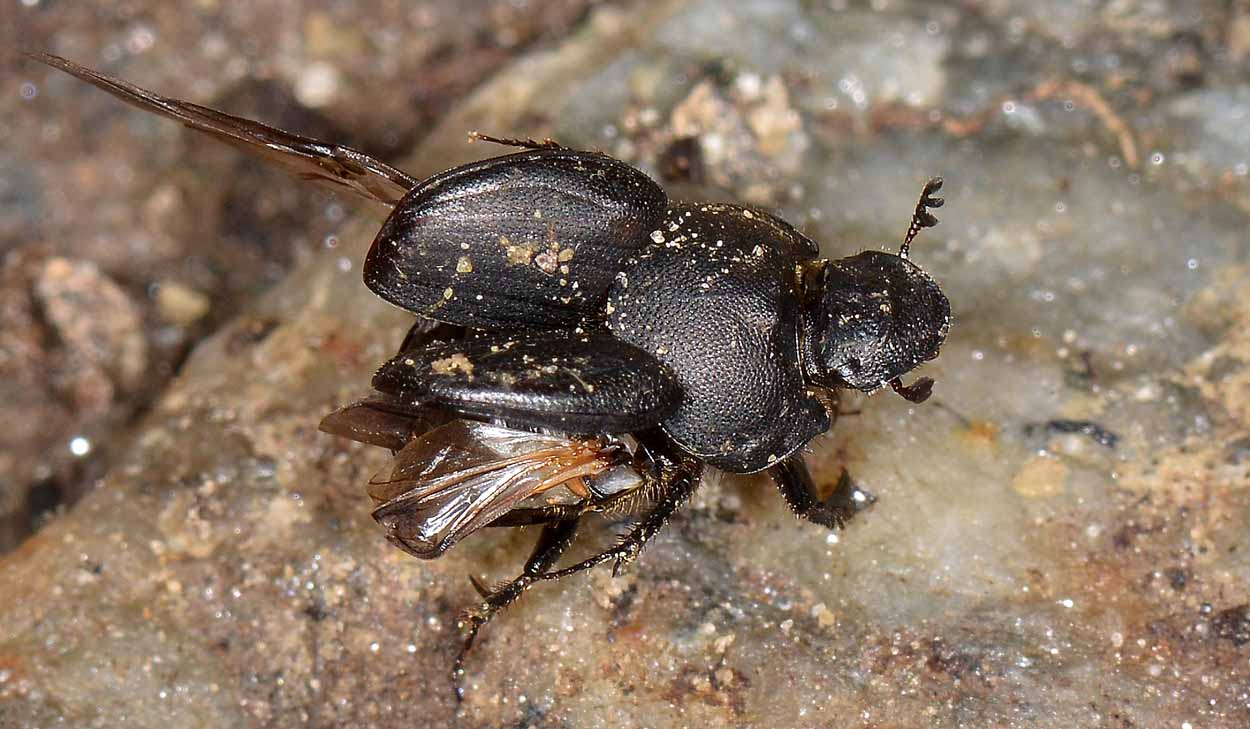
(585, 344)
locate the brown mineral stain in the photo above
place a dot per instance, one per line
(980, 434)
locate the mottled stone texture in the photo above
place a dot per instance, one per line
(121, 236)
(1060, 532)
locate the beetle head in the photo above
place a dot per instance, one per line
(872, 317)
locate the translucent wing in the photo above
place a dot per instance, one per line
(461, 476)
(310, 159)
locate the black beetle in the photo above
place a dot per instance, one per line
(577, 329)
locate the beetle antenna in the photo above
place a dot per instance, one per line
(917, 392)
(922, 218)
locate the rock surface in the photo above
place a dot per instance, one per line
(188, 233)
(1059, 534)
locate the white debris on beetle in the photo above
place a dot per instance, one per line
(457, 362)
(518, 255)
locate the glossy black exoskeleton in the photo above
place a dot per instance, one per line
(580, 333)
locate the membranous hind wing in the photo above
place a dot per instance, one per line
(339, 167)
(461, 476)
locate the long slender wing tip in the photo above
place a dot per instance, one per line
(312, 159)
(49, 59)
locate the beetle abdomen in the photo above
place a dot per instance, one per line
(715, 298)
(525, 240)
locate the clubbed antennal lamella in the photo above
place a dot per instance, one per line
(922, 218)
(921, 389)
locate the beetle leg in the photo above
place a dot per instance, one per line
(554, 540)
(678, 477)
(917, 392)
(797, 488)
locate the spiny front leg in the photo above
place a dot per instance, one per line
(552, 543)
(795, 483)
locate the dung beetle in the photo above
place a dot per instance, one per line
(585, 344)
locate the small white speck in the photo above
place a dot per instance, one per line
(317, 85)
(79, 446)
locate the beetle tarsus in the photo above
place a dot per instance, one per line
(632, 550)
(922, 218)
(795, 483)
(552, 543)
